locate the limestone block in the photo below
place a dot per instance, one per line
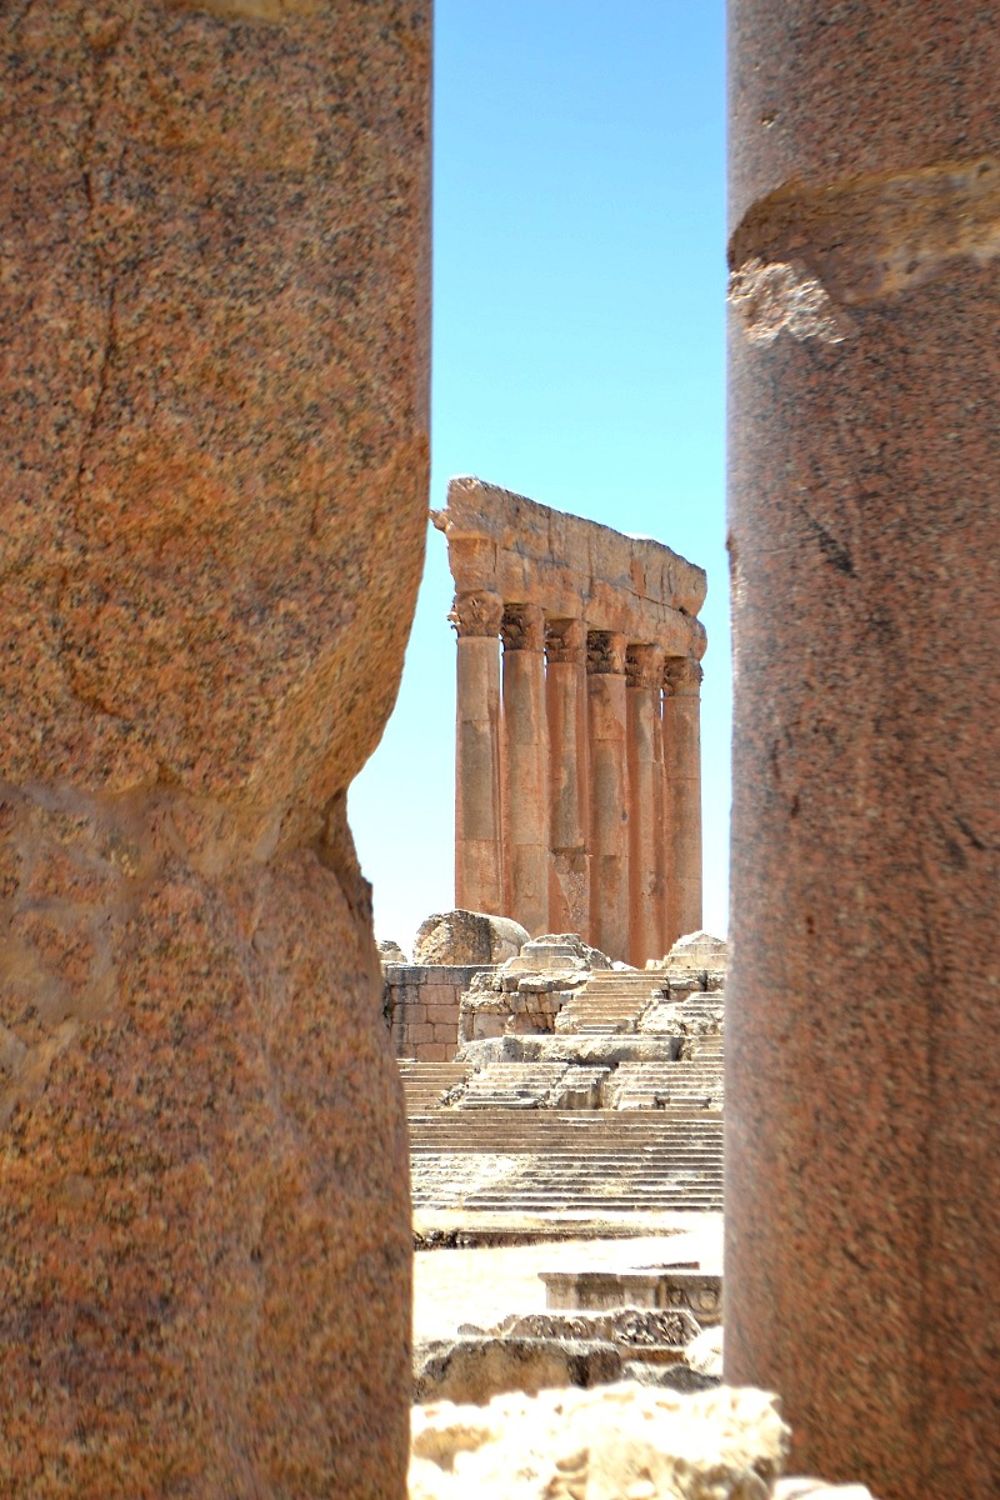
(444, 1015)
(212, 505)
(478, 1368)
(390, 952)
(619, 1442)
(468, 937)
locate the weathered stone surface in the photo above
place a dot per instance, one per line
(863, 1055)
(624, 1442)
(475, 1369)
(467, 937)
(390, 952)
(212, 491)
(704, 1353)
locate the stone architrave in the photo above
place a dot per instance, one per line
(526, 763)
(479, 863)
(609, 835)
(682, 803)
(644, 680)
(862, 1047)
(569, 775)
(213, 449)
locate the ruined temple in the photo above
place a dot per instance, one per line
(578, 788)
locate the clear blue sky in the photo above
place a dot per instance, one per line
(579, 276)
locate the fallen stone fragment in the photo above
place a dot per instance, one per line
(476, 1369)
(467, 937)
(624, 1442)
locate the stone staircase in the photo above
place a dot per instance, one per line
(587, 1162)
(512, 1085)
(695, 1084)
(612, 1000)
(425, 1082)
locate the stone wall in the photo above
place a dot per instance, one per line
(421, 1005)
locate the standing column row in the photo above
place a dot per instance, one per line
(578, 786)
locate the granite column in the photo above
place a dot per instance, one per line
(569, 802)
(644, 677)
(609, 835)
(213, 500)
(863, 1056)
(682, 774)
(526, 761)
(478, 824)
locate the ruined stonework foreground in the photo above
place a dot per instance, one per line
(578, 783)
(212, 505)
(863, 1087)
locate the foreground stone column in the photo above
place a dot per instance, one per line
(526, 760)
(569, 771)
(644, 677)
(682, 815)
(212, 509)
(479, 872)
(609, 836)
(863, 1061)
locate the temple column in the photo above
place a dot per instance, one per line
(526, 759)
(609, 844)
(862, 1047)
(644, 677)
(682, 782)
(566, 699)
(478, 826)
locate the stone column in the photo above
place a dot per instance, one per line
(479, 871)
(644, 678)
(609, 836)
(682, 776)
(863, 1057)
(526, 757)
(569, 770)
(213, 491)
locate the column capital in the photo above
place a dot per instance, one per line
(522, 627)
(682, 677)
(477, 613)
(606, 653)
(644, 666)
(566, 641)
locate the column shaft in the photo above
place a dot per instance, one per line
(863, 1056)
(479, 882)
(645, 776)
(566, 696)
(525, 736)
(609, 843)
(682, 777)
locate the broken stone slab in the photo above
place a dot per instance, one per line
(624, 1440)
(467, 937)
(628, 1327)
(678, 1377)
(390, 952)
(595, 1050)
(475, 1369)
(699, 1292)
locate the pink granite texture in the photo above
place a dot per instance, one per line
(863, 1083)
(213, 444)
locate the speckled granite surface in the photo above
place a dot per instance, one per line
(863, 1098)
(213, 438)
